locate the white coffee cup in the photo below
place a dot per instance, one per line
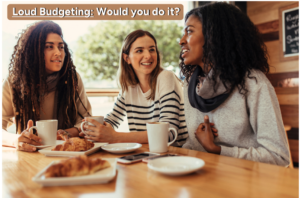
(47, 131)
(99, 119)
(157, 133)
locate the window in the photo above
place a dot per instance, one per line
(95, 47)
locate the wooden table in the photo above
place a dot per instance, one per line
(221, 177)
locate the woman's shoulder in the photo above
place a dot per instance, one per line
(78, 76)
(166, 76)
(168, 82)
(124, 93)
(185, 83)
(166, 73)
(256, 79)
(6, 84)
(81, 88)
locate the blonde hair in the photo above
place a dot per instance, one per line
(126, 74)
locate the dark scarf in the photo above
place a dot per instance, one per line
(52, 82)
(206, 99)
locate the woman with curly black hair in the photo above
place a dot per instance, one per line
(224, 62)
(42, 84)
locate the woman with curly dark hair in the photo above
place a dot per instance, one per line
(42, 84)
(224, 61)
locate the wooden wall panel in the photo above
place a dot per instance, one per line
(265, 11)
(290, 115)
(291, 121)
(294, 147)
(287, 90)
(277, 78)
(268, 12)
(272, 26)
(264, 17)
(279, 67)
(276, 65)
(291, 110)
(289, 99)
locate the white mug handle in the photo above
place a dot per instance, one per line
(176, 134)
(34, 127)
(82, 127)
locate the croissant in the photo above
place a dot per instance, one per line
(76, 166)
(74, 144)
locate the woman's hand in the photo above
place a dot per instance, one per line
(213, 129)
(100, 132)
(27, 138)
(205, 135)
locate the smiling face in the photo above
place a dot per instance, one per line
(142, 56)
(192, 42)
(54, 53)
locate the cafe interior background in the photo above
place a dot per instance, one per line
(96, 55)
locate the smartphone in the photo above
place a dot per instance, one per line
(135, 158)
(146, 160)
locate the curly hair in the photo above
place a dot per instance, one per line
(27, 76)
(233, 45)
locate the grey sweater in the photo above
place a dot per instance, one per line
(249, 127)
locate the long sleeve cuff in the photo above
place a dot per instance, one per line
(226, 151)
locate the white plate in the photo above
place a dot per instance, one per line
(48, 152)
(40, 147)
(178, 165)
(45, 146)
(121, 147)
(100, 177)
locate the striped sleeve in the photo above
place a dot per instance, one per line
(172, 107)
(117, 115)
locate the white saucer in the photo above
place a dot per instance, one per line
(45, 146)
(121, 147)
(176, 166)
